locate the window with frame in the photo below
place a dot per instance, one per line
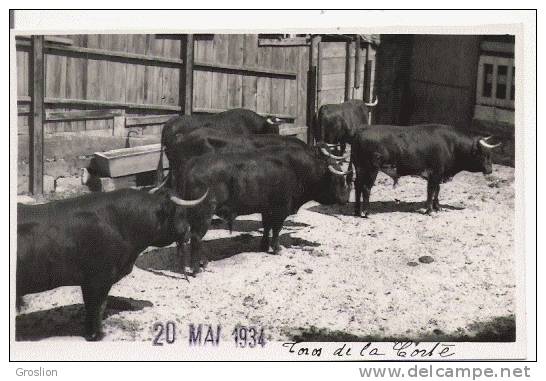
(496, 82)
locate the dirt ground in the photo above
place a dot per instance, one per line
(338, 277)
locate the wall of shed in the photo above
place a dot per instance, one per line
(427, 78)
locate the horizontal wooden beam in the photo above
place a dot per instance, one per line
(292, 41)
(52, 39)
(59, 116)
(131, 121)
(219, 110)
(248, 70)
(78, 51)
(102, 103)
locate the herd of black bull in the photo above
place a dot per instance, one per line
(227, 164)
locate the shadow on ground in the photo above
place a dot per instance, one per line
(68, 320)
(167, 259)
(499, 329)
(378, 207)
(247, 226)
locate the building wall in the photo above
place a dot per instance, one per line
(427, 78)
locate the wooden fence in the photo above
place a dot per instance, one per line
(130, 84)
(140, 75)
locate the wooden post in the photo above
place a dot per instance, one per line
(312, 76)
(347, 94)
(367, 76)
(358, 54)
(36, 123)
(119, 124)
(186, 76)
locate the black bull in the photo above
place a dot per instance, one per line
(235, 121)
(92, 241)
(434, 152)
(273, 181)
(337, 123)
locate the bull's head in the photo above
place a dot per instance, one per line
(482, 154)
(335, 187)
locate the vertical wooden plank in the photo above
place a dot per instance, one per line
(76, 82)
(263, 103)
(153, 75)
(303, 67)
(235, 81)
(249, 82)
(277, 84)
(367, 72)
(22, 73)
(186, 76)
(313, 74)
(200, 84)
(116, 72)
(118, 128)
(219, 80)
(347, 94)
(136, 75)
(97, 71)
(171, 76)
(290, 90)
(358, 59)
(36, 125)
(55, 84)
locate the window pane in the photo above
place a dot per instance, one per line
(487, 80)
(502, 72)
(513, 87)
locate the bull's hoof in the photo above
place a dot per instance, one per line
(361, 214)
(95, 336)
(428, 212)
(195, 271)
(276, 250)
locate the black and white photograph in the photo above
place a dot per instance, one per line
(268, 192)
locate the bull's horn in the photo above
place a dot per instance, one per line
(332, 145)
(336, 171)
(153, 190)
(374, 103)
(486, 145)
(329, 154)
(487, 138)
(181, 202)
(273, 120)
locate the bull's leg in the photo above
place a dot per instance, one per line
(182, 253)
(435, 201)
(433, 187)
(199, 224)
(275, 239)
(196, 253)
(264, 244)
(358, 194)
(368, 179)
(94, 294)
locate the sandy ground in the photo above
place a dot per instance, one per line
(337, 274)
